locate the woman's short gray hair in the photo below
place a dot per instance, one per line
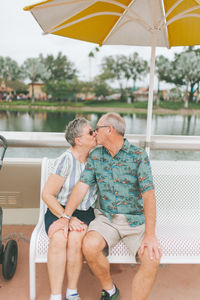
(74, 129)
(116, 121)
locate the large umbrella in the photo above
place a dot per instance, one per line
(164, 23)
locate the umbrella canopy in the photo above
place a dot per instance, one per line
(164, 23)
(122, 22)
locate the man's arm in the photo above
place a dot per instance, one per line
(150, 241)
(78, 193)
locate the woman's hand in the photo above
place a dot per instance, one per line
(76, 224)
(60, 224)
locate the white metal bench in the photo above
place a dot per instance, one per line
(177, 185)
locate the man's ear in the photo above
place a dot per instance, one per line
(110, 130)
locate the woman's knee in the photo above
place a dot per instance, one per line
(58, 240)
(75, 239)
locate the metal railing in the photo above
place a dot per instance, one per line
(57, 140)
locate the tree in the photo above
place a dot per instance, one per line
(123, 68)
(100, 87)
(59, 68)
(9, 69)
(18, 87)
(62, 81)
(187, 70)
(62, 90)
(33, 70)
(113, 68)
(92, 55)
(136, 68)
(184, 70)
(163, 71)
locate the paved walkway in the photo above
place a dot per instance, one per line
(174, 282)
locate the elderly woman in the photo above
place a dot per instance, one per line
(66, 250)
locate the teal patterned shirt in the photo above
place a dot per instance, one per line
(121, 180)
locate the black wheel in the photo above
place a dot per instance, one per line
(10, 259)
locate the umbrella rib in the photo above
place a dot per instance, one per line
(81, 9)
(137, 15)
(165, 31)
(115, 3)
(128, 11)
(82, 19)
(172, 8)
(122, 24)
(182, 17)
(45, 5)
(71, 16)
(184, 14)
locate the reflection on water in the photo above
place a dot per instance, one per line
(135, 124)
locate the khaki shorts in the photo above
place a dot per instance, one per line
(117, 230)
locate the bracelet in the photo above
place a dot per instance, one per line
(65, 216)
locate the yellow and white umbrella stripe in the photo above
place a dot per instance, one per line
(124, 22)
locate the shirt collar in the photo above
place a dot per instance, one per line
(125, 147)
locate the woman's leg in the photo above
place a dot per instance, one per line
(57, 261)
(74, 257)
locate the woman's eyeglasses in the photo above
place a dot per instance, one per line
(90, 133)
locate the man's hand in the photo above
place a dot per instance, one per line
(76, 224)
(153, 247)
(60, 224)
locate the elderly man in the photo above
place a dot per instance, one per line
(127, 207)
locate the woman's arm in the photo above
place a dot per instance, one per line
(50, 190)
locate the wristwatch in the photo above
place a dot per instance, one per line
(65, 216)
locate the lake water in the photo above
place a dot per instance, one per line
(135, 124)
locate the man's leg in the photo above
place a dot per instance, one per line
(93, 245)
(145, 277)
(74, 257)
(56, 261)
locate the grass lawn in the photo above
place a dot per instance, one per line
(87, 105)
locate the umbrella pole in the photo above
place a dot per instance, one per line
(150, 96)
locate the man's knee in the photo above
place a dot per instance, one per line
(147, 262)
(93, 243)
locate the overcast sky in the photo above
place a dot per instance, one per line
(21, 37)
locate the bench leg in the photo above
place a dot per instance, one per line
(32, 280)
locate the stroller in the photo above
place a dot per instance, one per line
(8, 256)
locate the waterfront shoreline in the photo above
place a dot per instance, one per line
(158, 110)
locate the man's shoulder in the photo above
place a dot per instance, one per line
(135, 150)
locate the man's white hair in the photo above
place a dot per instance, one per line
(116, 121)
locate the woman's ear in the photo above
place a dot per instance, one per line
(77, 141)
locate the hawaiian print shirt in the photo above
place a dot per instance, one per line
(121, 180)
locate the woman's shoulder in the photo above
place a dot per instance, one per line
(65, 156)
(62, 164)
